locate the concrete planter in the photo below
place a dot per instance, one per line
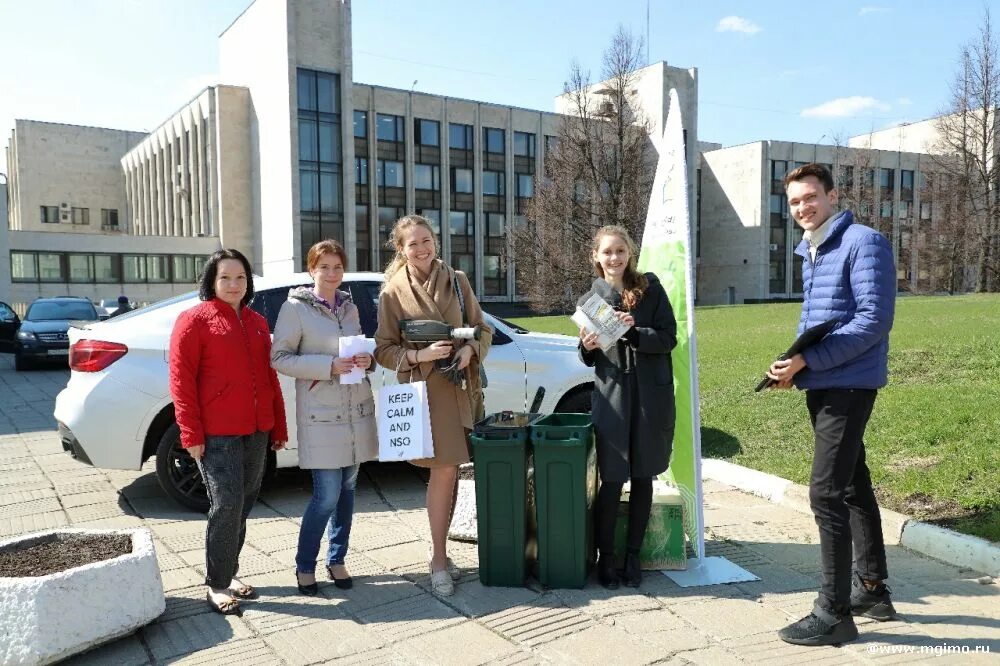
(47, 618)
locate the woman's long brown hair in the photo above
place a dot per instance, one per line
(634, 282)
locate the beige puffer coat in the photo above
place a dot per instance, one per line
(336, 423)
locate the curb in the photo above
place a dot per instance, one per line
(940, 543)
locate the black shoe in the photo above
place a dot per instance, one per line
(632, 573)
(876, 604)
(820, 628)
(606, 574)
(341, 583)
(310, 590)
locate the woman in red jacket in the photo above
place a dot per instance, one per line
(228, 406)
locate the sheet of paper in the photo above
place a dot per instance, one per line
(597, 316)
(351, 345)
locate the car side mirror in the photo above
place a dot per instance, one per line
(103, 317)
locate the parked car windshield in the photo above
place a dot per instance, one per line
(56, 310)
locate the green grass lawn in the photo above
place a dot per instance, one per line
(933, 443)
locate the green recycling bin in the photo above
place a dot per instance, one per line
(500, 449)
(565, 487)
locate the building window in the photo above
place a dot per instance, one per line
(50, 214)
(387, 217)
(493, 183)
(109, 218)
(494, 265)
(906, 185)
(427, 132)
(361, 124)
(778, 170)
(463, 242)
(157, 268)
(846, 179)
(23, 267)
(551, 143)
(361, 170)
(134, 268)
(493, 140)
(524, 144)
(427, 177)
(461, 181)
(81, 216)
(363, 243)
(434, 216)
(389, 128)
(886, 180)
(50, 267)
(107, 268)
(459, 136)
(390, 174)
(183, 268)
(321, 181)
(925, 210)
(525, 186)
(81, 268)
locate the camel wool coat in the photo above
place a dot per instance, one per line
(335, 422)
(405, 297)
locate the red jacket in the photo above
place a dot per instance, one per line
(221, 377)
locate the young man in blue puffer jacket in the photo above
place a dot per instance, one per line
(848, 274)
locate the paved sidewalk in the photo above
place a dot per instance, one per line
(391, 617)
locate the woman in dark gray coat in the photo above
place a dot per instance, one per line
(633, 400)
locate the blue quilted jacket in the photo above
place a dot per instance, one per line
(853, 280)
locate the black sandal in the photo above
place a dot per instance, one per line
(310, 590)
(340, 583)
(228, 607)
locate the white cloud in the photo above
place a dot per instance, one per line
(737, 24)
(845, 107)
(904, 101)
(873, 9)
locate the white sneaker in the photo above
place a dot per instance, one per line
(441, 583)
(450, 566)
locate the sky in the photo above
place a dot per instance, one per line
(809, 72)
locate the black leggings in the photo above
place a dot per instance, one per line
(606, 514)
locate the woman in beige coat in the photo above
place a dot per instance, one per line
(418, 285)
(335, 422)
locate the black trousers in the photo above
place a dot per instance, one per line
(841, 495)
(640, 502)
(233, 469)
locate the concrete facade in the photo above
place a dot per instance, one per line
(748, 236)
(60, 170)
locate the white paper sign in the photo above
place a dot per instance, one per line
(404, 422)
(352, 345)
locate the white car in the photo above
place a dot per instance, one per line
(116, 410)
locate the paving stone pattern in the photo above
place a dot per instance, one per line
(391, 616)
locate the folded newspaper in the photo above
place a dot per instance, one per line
(597, 316)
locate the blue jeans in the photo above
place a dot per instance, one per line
(332, 508)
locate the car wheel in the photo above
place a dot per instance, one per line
(21, 363)
(576, 401)
(177, 472)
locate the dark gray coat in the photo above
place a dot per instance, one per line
(633, 399)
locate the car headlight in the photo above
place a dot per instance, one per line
(27, 336)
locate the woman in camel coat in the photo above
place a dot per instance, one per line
(420, 286)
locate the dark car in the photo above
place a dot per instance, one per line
(9, 322)
(43, 334)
